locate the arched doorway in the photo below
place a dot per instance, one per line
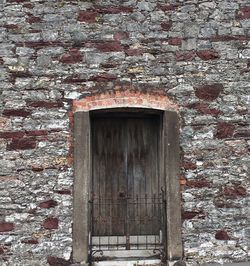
(126, 188)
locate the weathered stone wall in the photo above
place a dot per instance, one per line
(53, 52)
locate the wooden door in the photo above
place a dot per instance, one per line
(142, 174)
(125, 187)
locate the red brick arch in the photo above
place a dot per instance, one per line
(115, 99)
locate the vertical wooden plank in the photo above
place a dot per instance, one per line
(109, 178)
(81, 186)
(171, 162)
(143, 181)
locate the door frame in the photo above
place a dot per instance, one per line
(169, 169)
(111, 232)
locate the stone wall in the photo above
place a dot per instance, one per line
(195, 52)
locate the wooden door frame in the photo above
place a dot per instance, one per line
(169, 169)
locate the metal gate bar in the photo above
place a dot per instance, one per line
(143, 225)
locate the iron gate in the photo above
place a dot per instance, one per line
(140, 224)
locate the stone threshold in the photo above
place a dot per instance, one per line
(157, 262)
(246, 263)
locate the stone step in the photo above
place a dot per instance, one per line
(128, 263)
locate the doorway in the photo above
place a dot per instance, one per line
(126, 184)
(127, 191)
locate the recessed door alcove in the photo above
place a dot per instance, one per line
(126, 189)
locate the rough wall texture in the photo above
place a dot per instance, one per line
(53, 52)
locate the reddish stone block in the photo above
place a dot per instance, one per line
(198, 183)
(183, 180)
(185, 56)
(16, 112)
(6, 227)
(211, 111)
(222, 235)
(19, 74)
(47, 105)
(72, 57)
(11, 26)
(166, 26)
(32, 19)
(70, 159)
(3, 249)
(150, 40)
(227, 38)
(7, 178)
(225, 130)
(109, 65)
(37, 169)
(40, 44)
(34, 31)
(209, 92)
(187, 165)
(55, 261)
(37, 133)
(25, 143)
(188, 215)
(16, 1)
(103, 77)
(233, 192)
(113, 9)
(88, 16)
(204, 109)
(74, 79)
(63, 192)
(32, 211)
(175, 41)
(243, 13)
(48, 204)
(208, 54)
(121, 35)
(50, 223)
(29, 241)
(28, 5)
(111, 46)
(11, 134)
(133, 52)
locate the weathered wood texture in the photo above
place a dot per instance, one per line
(171, 172)
(143, 176)
(82, 162)
(125, 175)
(109, 182)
